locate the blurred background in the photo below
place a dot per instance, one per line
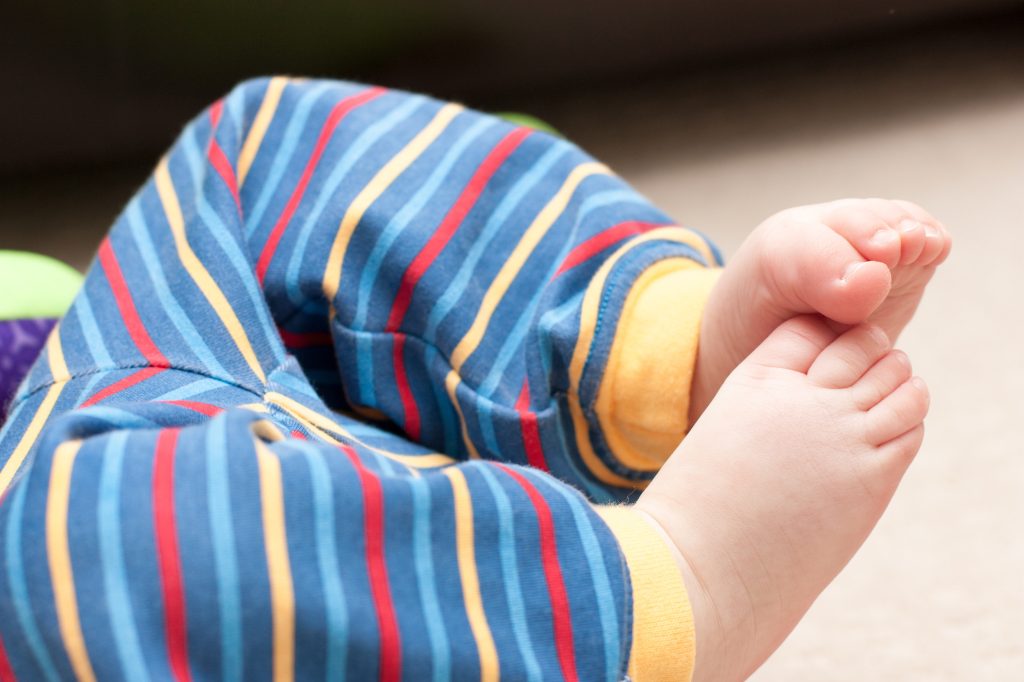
(722, 113)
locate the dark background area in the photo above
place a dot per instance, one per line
(100, 84)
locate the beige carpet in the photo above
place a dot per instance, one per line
(937, 593)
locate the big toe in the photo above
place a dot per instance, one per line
(848, 358)
(794, 345)
(824, 272)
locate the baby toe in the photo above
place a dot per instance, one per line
(936, 236)
(937, 245)
(899, 412)
(873, 238)
(901, 450)
(847, 358)
(913, 239)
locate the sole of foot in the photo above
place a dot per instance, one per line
(781, 481)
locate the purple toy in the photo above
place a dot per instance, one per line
(20, 344)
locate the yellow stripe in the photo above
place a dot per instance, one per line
(321, 425)
(380, 182)
(259, 127)
(514, 263)
(451, 384)
(664, 643)
(470, 582)
(59, 555)
(206, 283)
(588, 323)
(59, 372)
(55, 356)
(282, 595)
(267, 431)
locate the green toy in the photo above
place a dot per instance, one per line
(35, 291)
(33, 286)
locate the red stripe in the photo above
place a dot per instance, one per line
(425, 258)
(531, 432)
(451, 222)
(299, 435)
(341, 109)
(373, 503)
(216, 109)
(304, 339)
(123, 384)
(6, 671)
(602, 241)
(126, 305)
(218, 159)
(553, 575)
(202, 408)
(412, 413)
(167, 553)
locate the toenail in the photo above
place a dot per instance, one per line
(931, 231)
(885, 235)
(908, 225)
(919, 384)
(902, 358)
(878, 336)
(851, 269)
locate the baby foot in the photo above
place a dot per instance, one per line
(853, 260)
(781, 481)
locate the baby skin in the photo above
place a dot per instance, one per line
(808, 424)
(852, 261)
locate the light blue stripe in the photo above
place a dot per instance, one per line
(335, 603)
(426, 580)
(361, 429)
(408, 213)
(328, 193)
(514, 340)
(90, 330)
(115, 578)
(385, 465)
(228, 239)
(153, 265)
(510, 571)
(193, 389)
(491, 229)
(295, 132)
(395, 227)
(295, 383)
(90, 387)
(605, 597)
(19, 587)
(7, 429)
(449, 426)
(116, 417)
(222, 534)
(485, 407)
(233, 105)
(551, 319)
(595, 491)
(485, 417)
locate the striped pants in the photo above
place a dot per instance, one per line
(352, 391)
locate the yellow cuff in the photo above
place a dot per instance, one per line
(664, 644)
(644, 397)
